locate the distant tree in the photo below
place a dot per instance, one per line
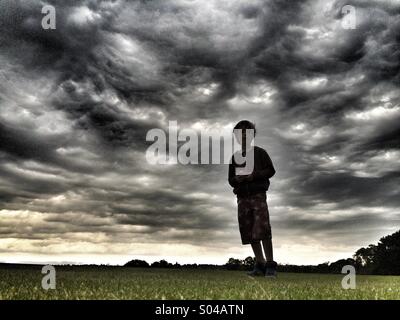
(161, 264)
(387, 255)
(234, 264)
(336, 267)
(383, 258)
(365, 259)
(136, 263)
(323, 267)
(248, 263)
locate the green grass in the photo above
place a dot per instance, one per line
(133, 283)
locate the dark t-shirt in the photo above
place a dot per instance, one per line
(262, 172)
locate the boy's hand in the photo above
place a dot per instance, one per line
(244, 178)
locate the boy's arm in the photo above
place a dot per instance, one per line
(267, 171)
(231, 176)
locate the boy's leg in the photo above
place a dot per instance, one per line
(263, 226)
(269, 253)
(263, 231)
(270, 266)
(257, 249)
(259, 266)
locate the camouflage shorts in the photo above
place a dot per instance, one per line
(253, 217)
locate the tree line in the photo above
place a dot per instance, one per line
(382, 258)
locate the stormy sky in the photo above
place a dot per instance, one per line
(77, 102)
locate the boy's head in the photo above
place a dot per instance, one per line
(240, 131)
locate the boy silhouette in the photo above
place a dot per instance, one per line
(250, 188)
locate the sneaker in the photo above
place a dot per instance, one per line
(259, 270)
(270, 269)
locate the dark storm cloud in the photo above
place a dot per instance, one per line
(77, 102)
(388, 139)
(348, 191)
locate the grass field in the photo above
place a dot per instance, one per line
(133, 283)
